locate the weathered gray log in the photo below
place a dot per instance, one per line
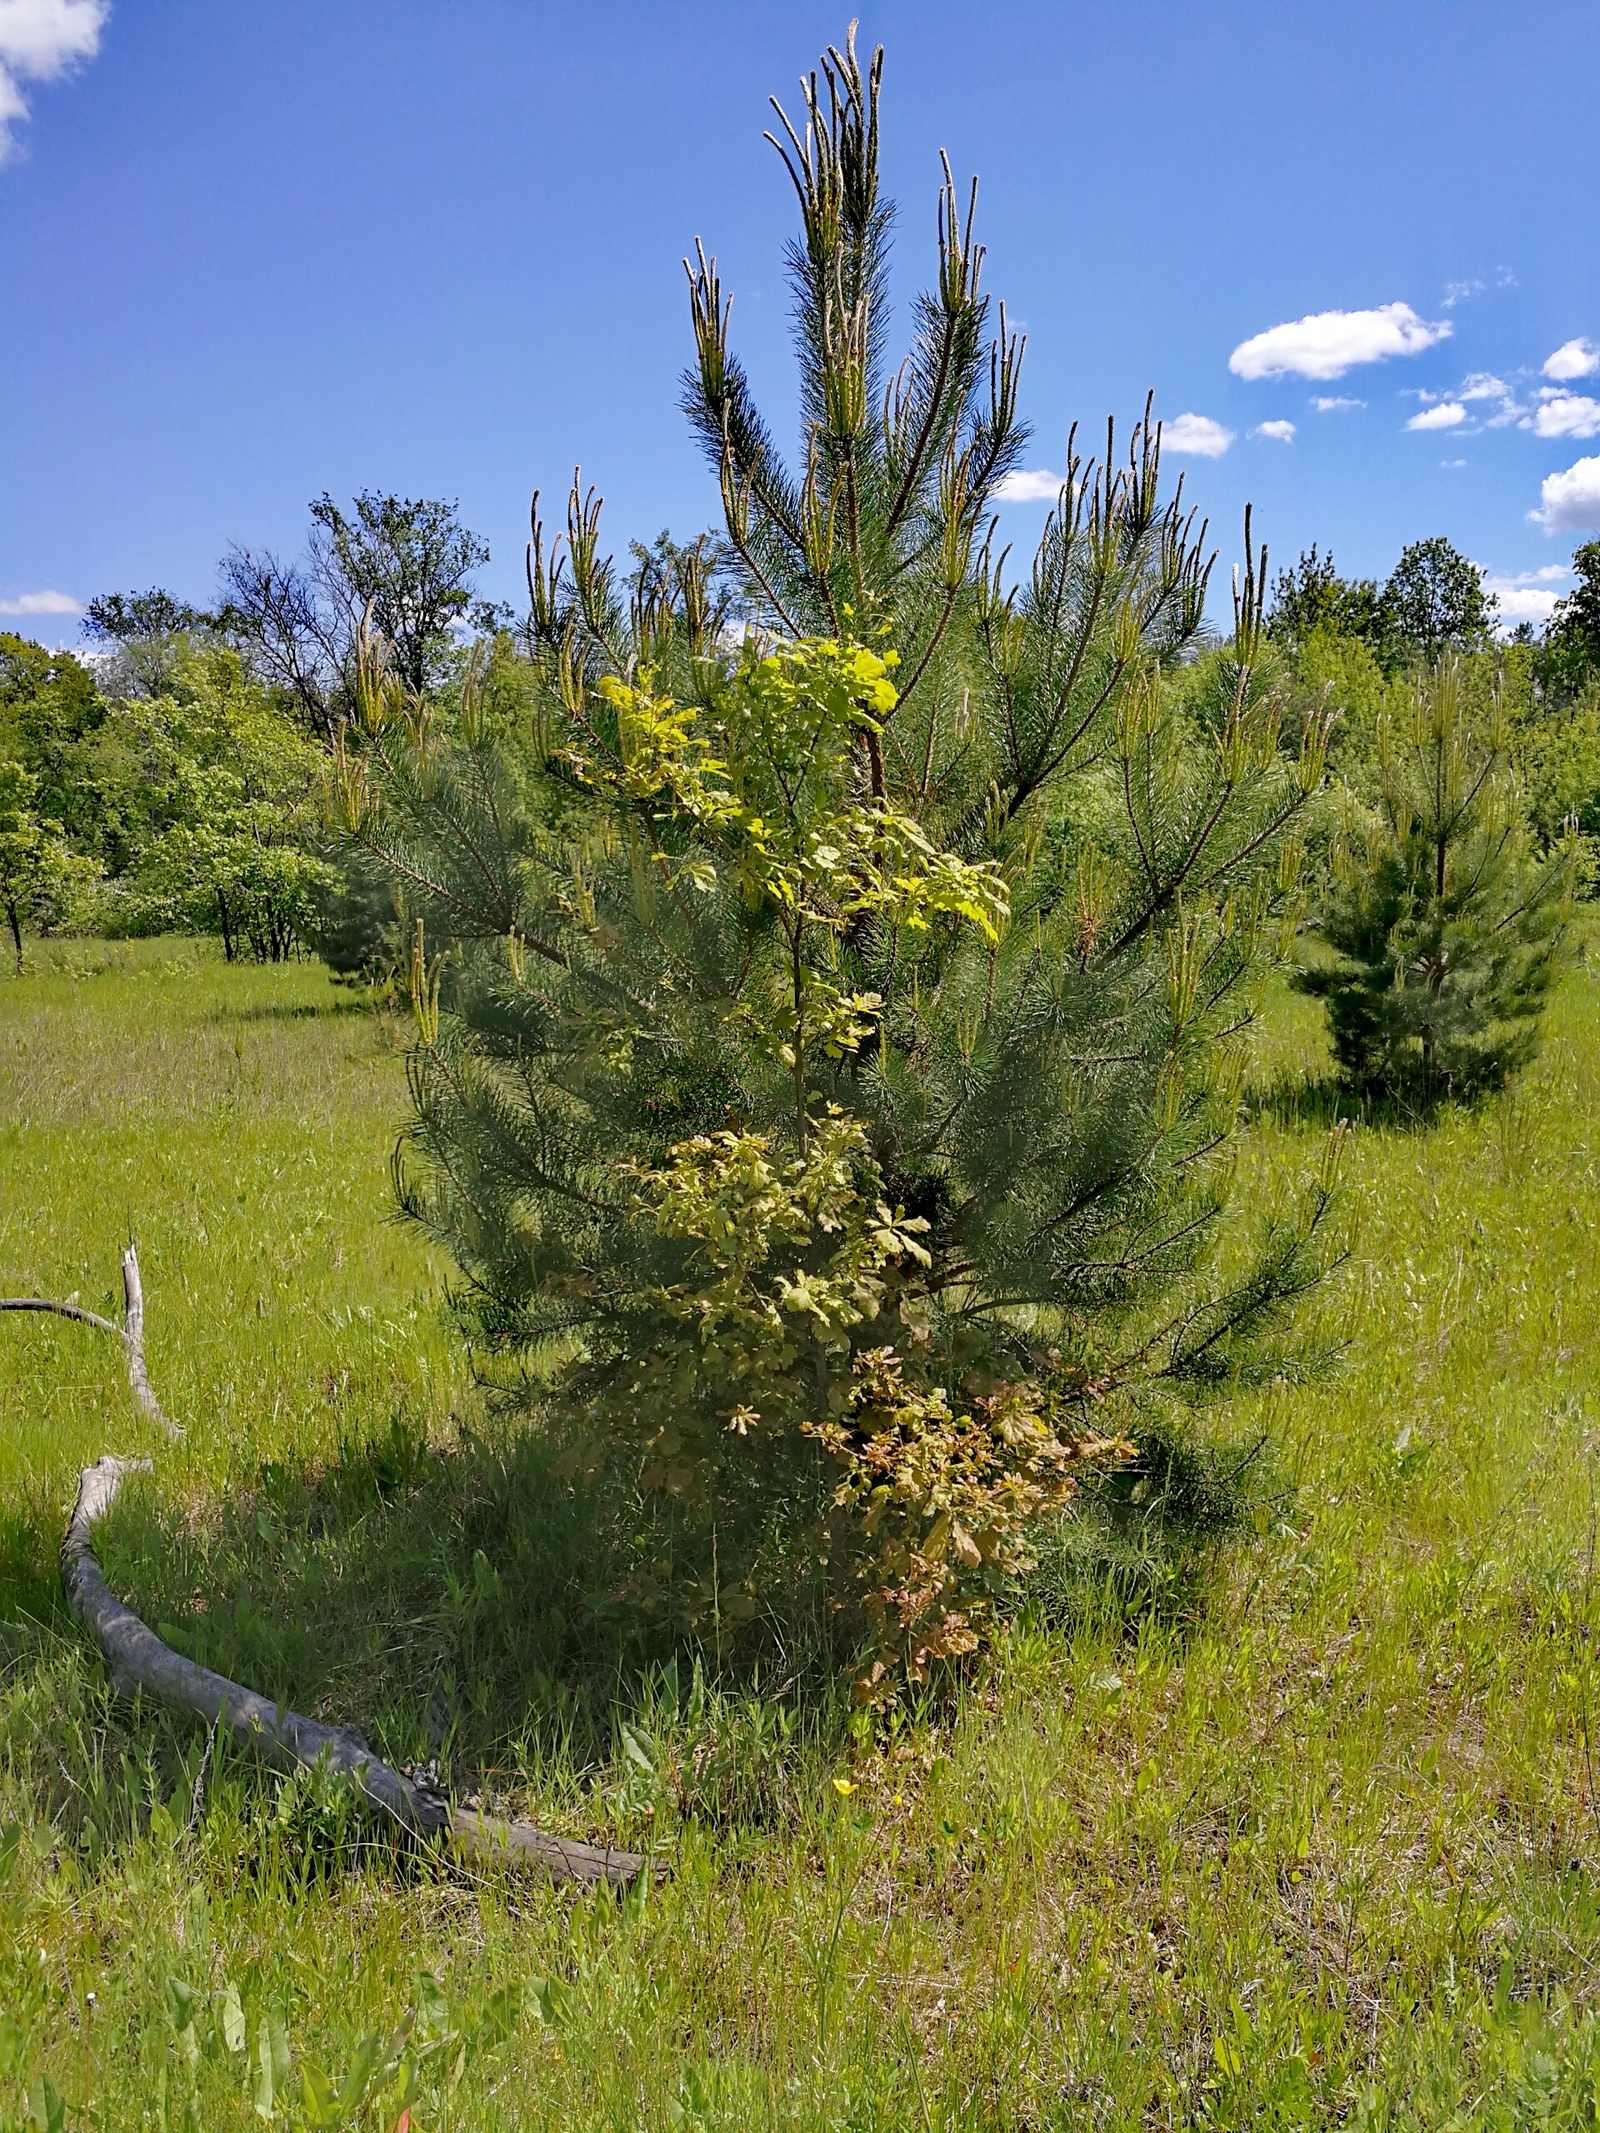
(488, 1840)
(130, 1333)
(140, 1660)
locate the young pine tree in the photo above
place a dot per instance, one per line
(1444, 925)
(828, 1081)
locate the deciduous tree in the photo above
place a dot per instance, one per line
(407, 561)
(39, 871)
(1434, 601)
(235, 813)
(1569, 664)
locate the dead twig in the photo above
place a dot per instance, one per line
(133, 1342)
(130, 1333)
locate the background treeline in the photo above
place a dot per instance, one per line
(1358, 645)
(173, 779)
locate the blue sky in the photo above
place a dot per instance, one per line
(249, 252)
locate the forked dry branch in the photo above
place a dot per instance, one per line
(140, 1660)
(130, 1333)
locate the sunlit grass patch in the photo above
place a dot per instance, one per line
(1276, 1805)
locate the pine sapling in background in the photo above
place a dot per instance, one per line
(1444, 924)
(830, 1037)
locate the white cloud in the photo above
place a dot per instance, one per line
(1566, 415)
(1457, 292)
(1570, 502)
(1476, 388)
(1328, 404)
(40, 39)
(12, 108)
(1443, 417)
(1026, 486)
(45, 37)
(1327, 343)
(1528, 596)
(1279, 432)
(1197, 434)
(1573, 359)
(42, 603)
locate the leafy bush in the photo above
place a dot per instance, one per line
(57, 724)
(41, 878)
(234, 794)
(194, 794)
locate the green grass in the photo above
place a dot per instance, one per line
(1293, 1825)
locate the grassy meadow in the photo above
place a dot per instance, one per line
(1276, 1807)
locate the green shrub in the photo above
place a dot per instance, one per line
(42, 879)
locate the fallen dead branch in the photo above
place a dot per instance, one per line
(130, 1333)
(140, 1660)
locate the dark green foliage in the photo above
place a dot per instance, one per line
(1569, 660)
(357, 930)
(1034, 1078)
(407, 561)
(880, 519)
(404, 562)
(1313, 599)
(1432, 602)
(1577, 616)
(1143, 1536)
(125, 618)
(1443, 924)
(143, 637)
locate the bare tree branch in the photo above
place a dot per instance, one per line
(130, 1333)
(139, 1660)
